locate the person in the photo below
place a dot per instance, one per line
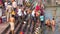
(11, 22)
(7, 15)
(37, 12)
(23, 13)
(42, 19)
(20, 2)
(33, 13)
(28, 14)
(53, 24)
(3, 18)
(1, 6)
(9, 8)
(6, 4)
(19, 13)
(48, 23)
(14, 5)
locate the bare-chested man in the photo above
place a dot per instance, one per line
(11, 21)
(48, 23)
(53, 24)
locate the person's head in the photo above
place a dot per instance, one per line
(29, 11)
(12, 16)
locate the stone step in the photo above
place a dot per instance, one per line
(17, 27)
(28, 28)
(22, 28)
(5, 29)
(8, 31)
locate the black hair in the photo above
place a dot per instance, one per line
(9, 3)
(13, 16)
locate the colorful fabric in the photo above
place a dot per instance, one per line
(37, 13)
(21, 33)
(37, 8)
(41, 18)
(13, 12)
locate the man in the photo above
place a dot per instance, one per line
(48, 23)
(6, 3)
(42, 19)
(11, 21)
(14, 5)
(19, 13)
(53, 24)
(9, 9)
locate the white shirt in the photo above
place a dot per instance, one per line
(6, 4)
(25, 13)
(19, 12)
(14, 4)
(33, 12)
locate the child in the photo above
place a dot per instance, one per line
(11, 21)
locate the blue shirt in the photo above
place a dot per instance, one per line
(41, 18)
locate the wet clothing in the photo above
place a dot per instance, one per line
(11, 25)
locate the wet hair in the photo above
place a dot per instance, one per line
(13, 16)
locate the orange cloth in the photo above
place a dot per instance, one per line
(21, 33)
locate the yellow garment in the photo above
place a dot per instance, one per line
(13, 12)
(28, 4)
